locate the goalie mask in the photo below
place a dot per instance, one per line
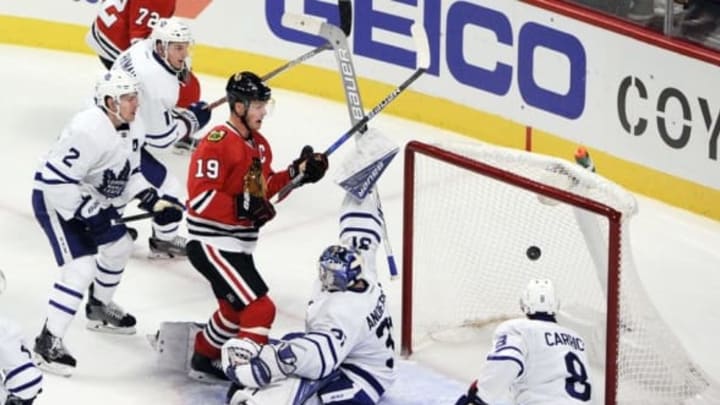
(339, 268)
(539, 297)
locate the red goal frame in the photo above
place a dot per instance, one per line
(614, 244)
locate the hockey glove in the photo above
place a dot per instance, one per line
(471, 397)
(166, 210)
(310, 165)
(98, 221)
(194, 117)
(256, 209)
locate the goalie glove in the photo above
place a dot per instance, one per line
(271, 364)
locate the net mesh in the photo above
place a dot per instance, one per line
(471, 241)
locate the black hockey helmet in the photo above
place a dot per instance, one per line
(246, 87)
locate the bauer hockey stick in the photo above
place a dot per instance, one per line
(345, 9)
(423, 61)
(353, 99)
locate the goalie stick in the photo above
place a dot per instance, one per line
(345, 10)
(354, 103)
(423, 63)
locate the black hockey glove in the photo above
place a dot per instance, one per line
(471, 397)
(257, 209)
(99, 221)
(310, 165)
(166, 210)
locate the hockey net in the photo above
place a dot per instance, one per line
(472, 211)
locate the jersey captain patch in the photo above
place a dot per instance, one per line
(215, 136)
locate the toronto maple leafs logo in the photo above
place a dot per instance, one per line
(113, 186)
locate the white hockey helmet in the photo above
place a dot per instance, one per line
(171, 29)
(539, 296)
(114, 83)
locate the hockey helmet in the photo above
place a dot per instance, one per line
(171, 29)
(114, 83)
(246, 87)
(539, 297)
(339, 267)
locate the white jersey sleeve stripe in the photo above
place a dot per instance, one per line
(330, 345)
(155, 137)
(361, 230)
(321, 356)
(60, 174)
(520, 364)
(510, 348)
(356, 214)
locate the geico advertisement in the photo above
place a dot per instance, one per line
(519, 62)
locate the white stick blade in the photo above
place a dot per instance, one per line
(304, 23)
(422, 47)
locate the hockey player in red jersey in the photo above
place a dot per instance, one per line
(121, 23)
(230, 183)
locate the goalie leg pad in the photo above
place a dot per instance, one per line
(174, 343)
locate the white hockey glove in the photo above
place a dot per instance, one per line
(270, 365)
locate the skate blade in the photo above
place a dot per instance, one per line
(62, 370)
(205, 377)
(99, 326)
(165, 256)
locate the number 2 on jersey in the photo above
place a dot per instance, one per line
(577, 385)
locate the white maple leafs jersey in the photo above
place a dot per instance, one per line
(92, 158)
(542, 363)
(351, 330)
(159, 89)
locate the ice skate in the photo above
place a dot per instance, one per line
(108, 318)
(167, 249)
(206, 370)
(50, 354)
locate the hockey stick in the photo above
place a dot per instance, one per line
(353, 99)
(133, 218)
(345, 9)
(423, 61)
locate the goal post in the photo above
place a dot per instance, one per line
(479, 221)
